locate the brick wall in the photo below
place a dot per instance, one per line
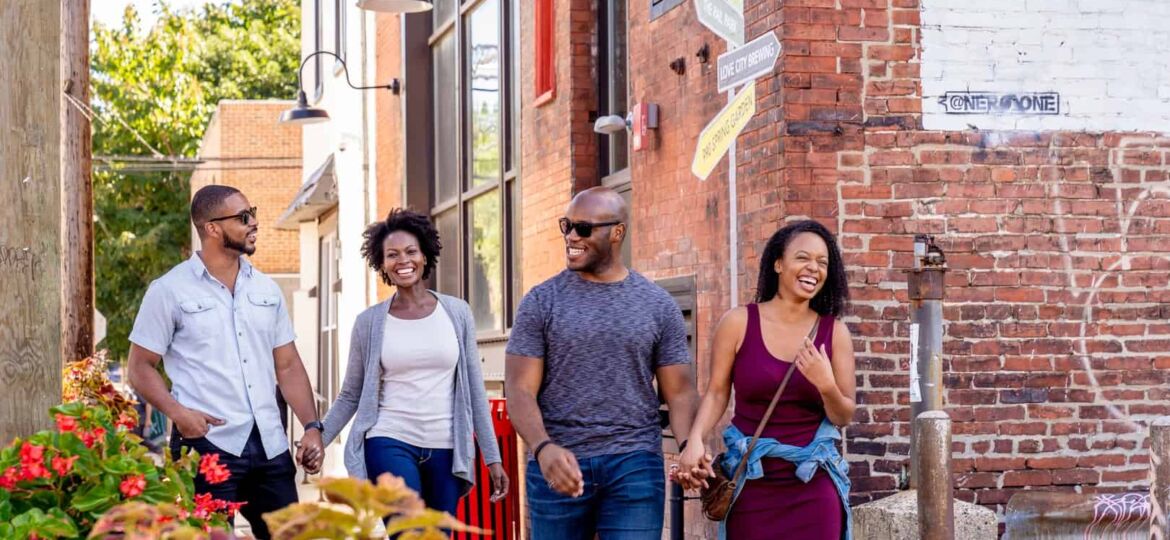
(391, 131)
(1056, 342)
(244, 147)
(558, 148)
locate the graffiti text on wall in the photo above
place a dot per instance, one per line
(1025, 103)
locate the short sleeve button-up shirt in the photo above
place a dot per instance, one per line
(217, 348)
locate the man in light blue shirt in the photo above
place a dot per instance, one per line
(222, 332)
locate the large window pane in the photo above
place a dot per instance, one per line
(618, 151)
(446, 120)
(443, 10)
(484, 87)
(448, 225)
(485, 279)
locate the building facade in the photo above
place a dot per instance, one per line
(1026, 137)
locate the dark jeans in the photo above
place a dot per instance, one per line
(623, 500)
(266, 485)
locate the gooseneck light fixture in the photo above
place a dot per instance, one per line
(395, 6)
(303, 114)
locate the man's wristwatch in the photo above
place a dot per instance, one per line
(315, 424)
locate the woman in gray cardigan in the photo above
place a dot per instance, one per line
(414, 380)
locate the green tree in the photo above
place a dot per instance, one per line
(154, 90)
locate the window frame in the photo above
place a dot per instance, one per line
(505, 187)
(339, 29)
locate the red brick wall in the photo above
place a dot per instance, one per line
(390, 130)
(1056, 336)
(558, 148)
(270, 177)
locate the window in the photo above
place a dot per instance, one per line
(474, 191)
(612, 96)
(544, 79)
(318, 39)
(659, 8)
(339, 31)
(328, 287)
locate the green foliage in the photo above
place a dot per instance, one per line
(164, 83)
(58, 484)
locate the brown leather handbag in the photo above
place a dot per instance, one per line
(720, 490)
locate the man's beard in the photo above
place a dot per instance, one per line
(241, 246)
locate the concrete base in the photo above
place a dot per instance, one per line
(896, 518)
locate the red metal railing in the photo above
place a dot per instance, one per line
(502, 517)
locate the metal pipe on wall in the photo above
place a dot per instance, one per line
(936, 507)
(925, 287)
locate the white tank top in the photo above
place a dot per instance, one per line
(418, 380)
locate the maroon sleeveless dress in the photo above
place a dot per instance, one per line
(779, 505)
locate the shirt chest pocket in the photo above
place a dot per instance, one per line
(200, 317)
(262, 310)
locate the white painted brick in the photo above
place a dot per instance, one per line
(1108, 59)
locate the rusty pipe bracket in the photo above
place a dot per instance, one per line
(927, 280)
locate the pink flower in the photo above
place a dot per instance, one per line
(133, 486)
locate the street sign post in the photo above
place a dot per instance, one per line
(747, 63)
(721, 132)
(721, 17)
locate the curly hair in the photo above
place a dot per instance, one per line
(833, 297)
(401, 219)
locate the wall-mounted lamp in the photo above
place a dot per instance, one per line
(641, 118)
(395, 6)
(302, 113)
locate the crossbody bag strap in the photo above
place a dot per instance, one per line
(739, 469)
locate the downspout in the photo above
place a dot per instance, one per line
(366, 136)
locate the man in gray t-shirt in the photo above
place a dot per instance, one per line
(584, 352)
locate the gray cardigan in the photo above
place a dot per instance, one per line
(363, 383)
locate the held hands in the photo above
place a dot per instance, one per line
(695, 466)
(194, 424)
(561, 470)
(311, 452)
(499, 481)
(814, 364)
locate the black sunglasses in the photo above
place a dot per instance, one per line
(584, 228)
(245, 216)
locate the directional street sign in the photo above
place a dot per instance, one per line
(723, 18)
(749, 62)
(722, 131)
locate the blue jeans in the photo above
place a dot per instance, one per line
(623, 500)
(425, 470)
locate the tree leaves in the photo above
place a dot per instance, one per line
(156, 89)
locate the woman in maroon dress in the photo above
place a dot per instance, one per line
(793, 325)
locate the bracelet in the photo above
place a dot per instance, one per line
(539, 447)
(682, 445)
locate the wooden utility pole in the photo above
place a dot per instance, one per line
(46, 208)
(77, 293)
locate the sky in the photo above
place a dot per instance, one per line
(109, 12)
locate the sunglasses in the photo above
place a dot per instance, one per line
(584, 228)
(245, 216)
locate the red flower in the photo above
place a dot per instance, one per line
(126, 421)
(33, 471)
(234, 507)
(212, 470)
(31, 453)
(91, 437)
(205, 505)
(63, 464)
(10, 477)
(133, 486)
(66, 423)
